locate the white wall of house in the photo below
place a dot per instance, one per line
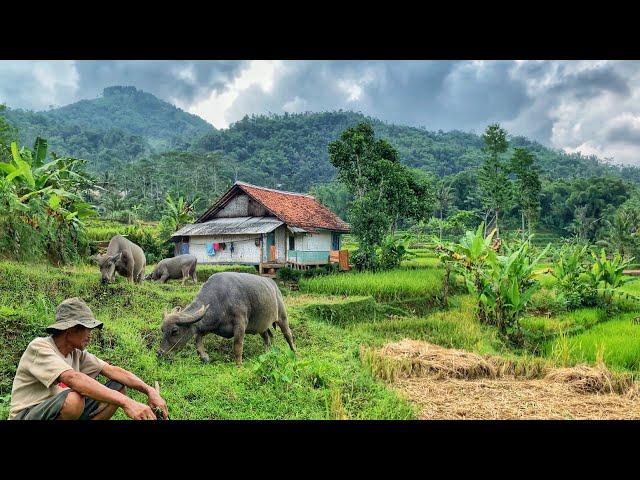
(315, 242)
(245, 249)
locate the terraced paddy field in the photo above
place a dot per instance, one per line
(334, 319)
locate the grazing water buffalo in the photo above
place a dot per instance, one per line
(182, 266)
(123, 256)
(229, 304)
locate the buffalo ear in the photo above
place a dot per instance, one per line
(176, 309)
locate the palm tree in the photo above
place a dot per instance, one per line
(622, 234)
(443, 199)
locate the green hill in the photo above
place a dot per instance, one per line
(123, 124)
(291, 150)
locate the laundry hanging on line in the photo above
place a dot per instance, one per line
(210, 250)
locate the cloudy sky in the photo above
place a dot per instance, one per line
(587, 106)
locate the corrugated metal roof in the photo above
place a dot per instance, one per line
(230, 226)
(299, 230)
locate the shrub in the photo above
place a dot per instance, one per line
(501, 284)
(575, 286)
(288, 274)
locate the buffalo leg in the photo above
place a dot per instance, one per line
(266, 338)
(283, 323)
(164, 277)
(238, 343)
(200, 348)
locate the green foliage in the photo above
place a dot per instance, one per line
(385, 192)
(501, 284)
(493, 178)
(527, 187)
(607, 274)
(574, 284)
(622, 232)
(42, 211)
(124, 124)
(392, 252)
(275, 366)
(288, 274)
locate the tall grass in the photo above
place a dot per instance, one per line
(616, 342)
(392, 285)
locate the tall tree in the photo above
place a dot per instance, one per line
(443, 200)
(527, 187)
(493, 176)
(384, 190)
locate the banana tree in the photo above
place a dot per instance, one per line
(609, 274)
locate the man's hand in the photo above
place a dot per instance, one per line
(156, 401)
(138, 411)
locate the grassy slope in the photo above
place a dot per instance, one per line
(330, 320)
(324, 381)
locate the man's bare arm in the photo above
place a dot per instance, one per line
(88, 387)
(130, 380)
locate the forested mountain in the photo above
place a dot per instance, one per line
(123, 124)
(291, 150)
(140, 148)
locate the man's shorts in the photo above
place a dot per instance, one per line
(50, 408)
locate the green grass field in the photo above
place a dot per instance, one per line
(331, 317)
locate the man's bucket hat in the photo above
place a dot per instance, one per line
(72, 312)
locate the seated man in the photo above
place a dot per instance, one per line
(55, 378)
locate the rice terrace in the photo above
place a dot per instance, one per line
(376, 285)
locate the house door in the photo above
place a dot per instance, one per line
(335, 241)
(271, 246)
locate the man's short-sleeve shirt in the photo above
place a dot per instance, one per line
(40, 366)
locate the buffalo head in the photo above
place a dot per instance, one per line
(177, 329)
(107, 264)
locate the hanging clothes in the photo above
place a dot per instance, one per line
(210, 250)
(216, 246)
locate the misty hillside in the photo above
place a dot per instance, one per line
(285, 151)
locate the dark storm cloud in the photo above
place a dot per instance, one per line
(591, 83)
(627, 132)
(186, 81)
(434, 94)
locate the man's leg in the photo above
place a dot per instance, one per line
(72, 407)
(94, 410)
(107, 410)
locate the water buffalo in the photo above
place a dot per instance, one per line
(182, 266)
(123, 256)
(229, 304)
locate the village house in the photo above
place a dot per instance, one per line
(268, 228)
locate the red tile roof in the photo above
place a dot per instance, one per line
(294, 209)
